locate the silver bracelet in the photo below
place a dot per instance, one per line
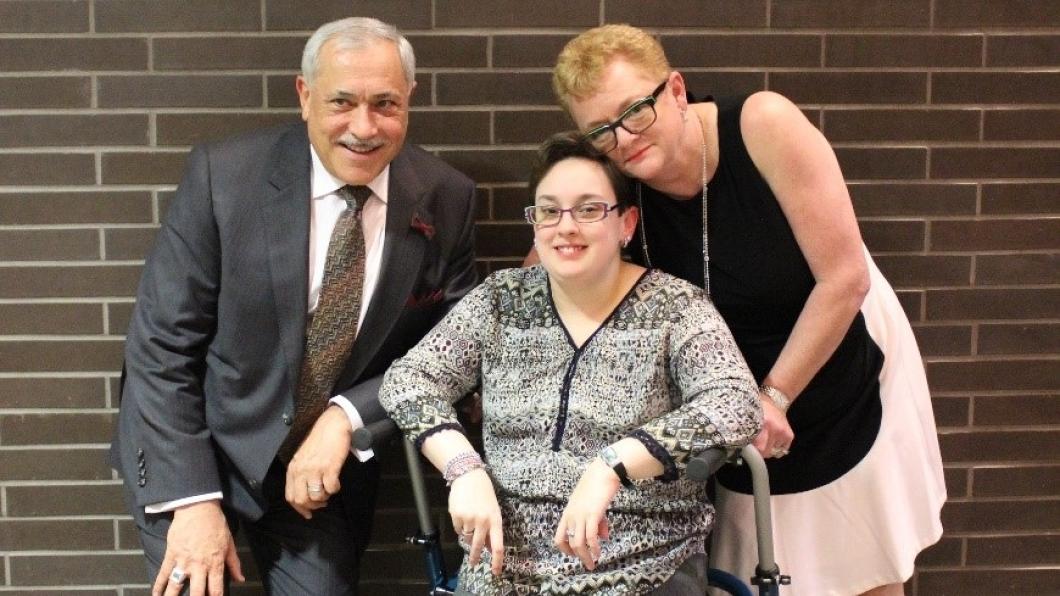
(778, 397)
(461, 464)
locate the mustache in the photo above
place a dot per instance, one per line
(352, 142)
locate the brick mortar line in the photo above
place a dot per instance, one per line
(93, 150)
(61, 484)
(880, 145)
(47, 338)
(62, 375)
(61, 518)
(85, 188)
(92, 16)
(55, 411)
(72, 263)
(498, 108)
(57, 447)
(74, 553)
(993, 567)
(552, 31)
(740, 69)
(77, 226)
(564, 30)
(993, 358)
(70, 300)
(477, 108)
(1053, 321)
(994, 429)
(998, 393)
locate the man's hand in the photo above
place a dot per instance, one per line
(313, 474)
(200, 544)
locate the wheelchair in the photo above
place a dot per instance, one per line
(441, 582)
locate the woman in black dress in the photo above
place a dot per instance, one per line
(744, 197)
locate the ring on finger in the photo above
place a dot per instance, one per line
(570, 535)
(315, 488)
(779, 452)
(178, 575)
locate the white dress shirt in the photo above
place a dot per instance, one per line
(325, 207)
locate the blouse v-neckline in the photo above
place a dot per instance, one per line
(562, 325)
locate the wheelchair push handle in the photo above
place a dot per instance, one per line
(374, 434)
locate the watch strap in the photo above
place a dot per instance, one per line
(610, 457)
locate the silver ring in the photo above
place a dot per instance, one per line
(468, 532)
(315, 488)
(178, 575)
(779, 452)
(570, 535)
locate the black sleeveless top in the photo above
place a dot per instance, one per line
(759, 281)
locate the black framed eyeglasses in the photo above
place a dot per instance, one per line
(636, 119)
(546, 216)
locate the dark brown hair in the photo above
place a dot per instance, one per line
(567, 145)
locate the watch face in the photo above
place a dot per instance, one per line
(609, 456)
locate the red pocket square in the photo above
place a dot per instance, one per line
(422, 227)
(426, 299)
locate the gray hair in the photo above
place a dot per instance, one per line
(355, 33)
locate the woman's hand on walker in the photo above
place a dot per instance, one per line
(776, 436)
(584, 521)
(477, 517)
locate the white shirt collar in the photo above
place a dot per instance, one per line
(323, 183)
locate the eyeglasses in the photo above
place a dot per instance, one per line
(546, 216)
(636, 119)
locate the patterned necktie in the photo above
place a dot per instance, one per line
(331, 330)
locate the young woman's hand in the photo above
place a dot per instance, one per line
(584, 521)
(477, 517)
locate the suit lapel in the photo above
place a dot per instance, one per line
(402, 255)
(286, 224)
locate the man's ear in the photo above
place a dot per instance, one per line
(302, 87)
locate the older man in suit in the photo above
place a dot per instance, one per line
(293, 266)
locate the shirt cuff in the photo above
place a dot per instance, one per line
(171, 505)
(362, 455)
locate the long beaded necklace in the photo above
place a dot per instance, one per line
(706, 247)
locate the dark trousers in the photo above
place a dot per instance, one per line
(295, 555)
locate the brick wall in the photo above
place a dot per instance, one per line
(945, 115)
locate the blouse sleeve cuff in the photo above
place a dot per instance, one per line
(436, 429)
(658, 452)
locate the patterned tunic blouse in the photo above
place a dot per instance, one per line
(662, 368)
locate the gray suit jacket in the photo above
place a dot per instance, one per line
(214, 348)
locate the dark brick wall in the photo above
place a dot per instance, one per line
(945, 115)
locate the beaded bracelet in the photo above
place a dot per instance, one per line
(778, 397)
(461, 464)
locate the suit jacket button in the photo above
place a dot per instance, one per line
(253, 483)
(142, 482)
(139, 453)
(287, 419)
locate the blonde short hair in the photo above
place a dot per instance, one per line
(583, 60)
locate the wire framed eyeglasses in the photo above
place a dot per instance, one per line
(546, 216)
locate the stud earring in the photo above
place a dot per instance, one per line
(625, 241)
